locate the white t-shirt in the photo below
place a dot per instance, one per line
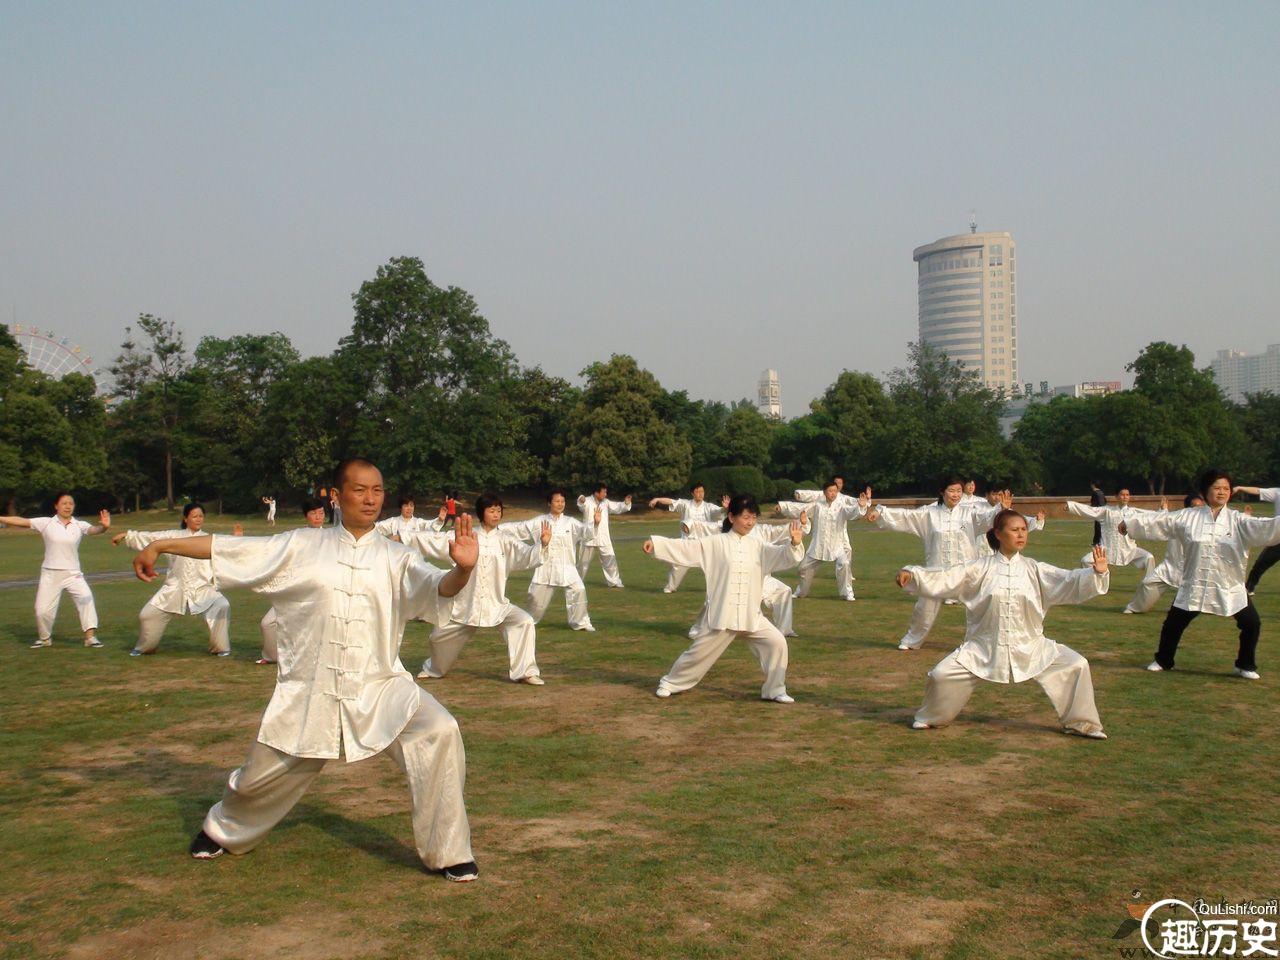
(61, 542)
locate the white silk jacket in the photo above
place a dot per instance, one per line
(1005, 600)
(188, 587)
(947, 536)
(1215, 553)
(830, 525)
(559, 567)
(598, 536)
(1120, 547)
(735, 567)
(341, 606)
(483, 601)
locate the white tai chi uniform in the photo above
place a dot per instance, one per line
(829, 542)
(188, 591)
(1005, 600)
(60, 571)
(774, 594)
(342, 605)
(483, 601)
(947, 543)
(558, 569)
(1121, 549)
(690, 511)
(735, 567)
(598, 539)
(1165, 575)
(271, 511)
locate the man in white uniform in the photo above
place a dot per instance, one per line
(829, 542)
(696, 509)
(343, 596)
(598, 540)
(558, 569)
(60, 570)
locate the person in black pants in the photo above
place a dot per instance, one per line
(1097, 499)
(1269, 557)
(1215, 541)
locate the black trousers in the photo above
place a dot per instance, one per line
(1267, 559)
(1177, 620)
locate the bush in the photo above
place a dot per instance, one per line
(784, 489)
(732, 480)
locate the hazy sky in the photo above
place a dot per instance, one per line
(712, 188)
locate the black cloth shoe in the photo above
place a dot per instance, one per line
(204, 847)
(460, 872)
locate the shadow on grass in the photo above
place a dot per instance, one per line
(186, 784)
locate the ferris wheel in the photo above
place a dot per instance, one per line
(54, 355)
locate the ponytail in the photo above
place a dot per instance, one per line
(1002, 519)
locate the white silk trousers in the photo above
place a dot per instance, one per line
(517, 628)
(767, 643)
(152, 621)
(844, 576)
(608, 564)
(270, 628)
(429, 750)
(674, 577)
(49, 595)
(575, 601)
(1066, 680)
(1147, 594)
(922, 617)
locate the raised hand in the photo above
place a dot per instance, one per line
(867, 492)
(724, 501)
(443, 515)
(804, 518)
(546, 533)
(648, 547)
(1099, 559)
(1164, 503)
(1248, 510)
(464, 548)
(1123, 528)
(115, 541)
(1006, 500)
(1040, 517)
(238, 530)
(627, 499)
(864, 498)
(797, 536)
(653, 503)
(873, 515)
(144, 564)
(104, 518)
(902, 579)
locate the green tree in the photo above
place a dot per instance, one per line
(614, 434)
(744, 438)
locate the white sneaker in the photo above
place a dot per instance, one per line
(588, 628)
(1155, 667)
(920, 725)
(782, 698)
(667, 590)
(903, 646)
(1127, 610)
(850, 599)
(48, 642)
(533, 680)
(428, 675)
(662, 693)
(1091, 735)
(1248, 674)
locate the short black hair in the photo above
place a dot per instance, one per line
(554, 490)
(600, 486)
(1209, 478)
(186, 511)
(1186, 501)
(696, 484)
(830, 483)
(948, 481)
(407, 499)
(484, 502)
(311, 503)
(58, 496)
(340, 471)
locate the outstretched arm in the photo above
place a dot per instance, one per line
(661, 502)
(21, 522)
(197, 548)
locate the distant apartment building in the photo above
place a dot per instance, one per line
(968, 304)
(1238, 373)
(769, 395)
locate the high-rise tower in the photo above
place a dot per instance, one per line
(968, 299)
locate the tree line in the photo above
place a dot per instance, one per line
(422, 387)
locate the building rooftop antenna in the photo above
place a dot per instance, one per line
(973, 221)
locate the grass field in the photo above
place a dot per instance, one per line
(608, 823)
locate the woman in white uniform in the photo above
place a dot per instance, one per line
(696, 509)
(559, 568)
(945, 529)
(188, 589)
(60, 569)
(483, 602)
(1006, 597)
(735, 564)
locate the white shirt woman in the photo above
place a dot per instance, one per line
(1006, 597)
(559, 568)
(829, 519)
(735, 565)
(695, 509)
(60, 569)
